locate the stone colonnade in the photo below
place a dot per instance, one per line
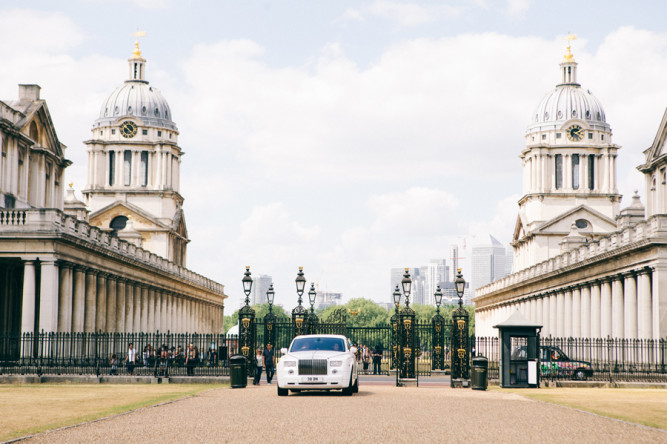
(76, 298)
(619, 306)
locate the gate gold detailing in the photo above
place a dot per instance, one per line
(437, 336)
(460, 362)
(247, 326)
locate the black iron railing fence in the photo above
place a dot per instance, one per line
(612, 359)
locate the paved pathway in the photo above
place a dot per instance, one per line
(378, 413)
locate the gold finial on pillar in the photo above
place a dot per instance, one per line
(568, 55)
(137, 52)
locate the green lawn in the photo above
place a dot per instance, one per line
(34, 408)
(641, 406)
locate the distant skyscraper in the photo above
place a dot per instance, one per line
(417, 291)
(509, 261)
(434, 276)
(259, 288)
(453, 262)
(488, 261)
(326, 299)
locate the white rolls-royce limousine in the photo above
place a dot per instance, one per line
(318, 362)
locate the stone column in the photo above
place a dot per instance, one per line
(617, 306)
(586, 312)
(605, 308)
(546, 312)
(145, 307)
(65, 297)
(576, 312)
(567, 314)
(100, 318)
(112, 293)
(538, 310)
(659, 300)
(630, 306)
(179, 314)
(48, 294)
(163, 312)
(560, 310)
(91, 301)
(28, 310)
(136, 323)
(129, 306)
(151, 310)
(79, 301)
(644, 304)
(120, 305)
(596, 309)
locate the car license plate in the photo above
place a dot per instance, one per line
(312, 379)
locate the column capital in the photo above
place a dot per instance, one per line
(643, 270)
(65, 264)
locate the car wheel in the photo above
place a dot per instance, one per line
(295, 391)
(282, 392)
(355, 387)
(347, 391)
(580, 375)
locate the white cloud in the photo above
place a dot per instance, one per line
(403, 13)
(272, 224)
(518, 7)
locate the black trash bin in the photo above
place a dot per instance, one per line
(238, 371)
(479, 373)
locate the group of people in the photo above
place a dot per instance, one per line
(265, 359)
(164, 357)
(368, 356)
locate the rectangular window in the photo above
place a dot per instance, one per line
(113, 131)
(112, 167)
(144, 132)
(591, 172)
(557, 135)
(159, 133)
(590, 135)
(127, 167)
(575, 171)
(544, 137)
(601, 136)
(143, 168)
(101, 133)
(559, 171)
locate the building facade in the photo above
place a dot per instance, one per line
(488, 261)
(585, 269)
(62, 272)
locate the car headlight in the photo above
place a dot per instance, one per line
(335, 363)
(289, 363)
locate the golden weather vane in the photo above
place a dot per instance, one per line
(137, 52)
(568, 55)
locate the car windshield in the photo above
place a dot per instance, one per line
(318, 343)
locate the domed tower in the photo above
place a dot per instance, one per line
(134, 166)
(569, 171)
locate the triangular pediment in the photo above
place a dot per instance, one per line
(37, 125)
(657, 150)
(141, 219)
(598, 223)
(519, 230)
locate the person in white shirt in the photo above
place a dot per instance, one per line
(260, 365)
(131, 359)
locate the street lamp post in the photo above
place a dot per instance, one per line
(437, 334)
(247, 326)
(312, 317)
(299, 313)
(395, 336)
(408, 351)
(270, 319)
(460, 354)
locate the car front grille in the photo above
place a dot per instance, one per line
(312, 366)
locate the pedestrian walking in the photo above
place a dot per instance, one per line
(191, 360)
(366, 357)
(377, 360)
(131, 359)
(260, 364)
(269, 362)
(114, 365)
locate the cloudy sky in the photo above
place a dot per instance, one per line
(347, 137)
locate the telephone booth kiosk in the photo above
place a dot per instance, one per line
(519, 352)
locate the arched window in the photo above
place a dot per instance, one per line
(118, 223)
(112, 167)
(591, 171)
(143, 168)
(575, 171)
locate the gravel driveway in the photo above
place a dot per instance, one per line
(376, 414)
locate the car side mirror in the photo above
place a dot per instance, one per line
(283, 351)
(353, 349)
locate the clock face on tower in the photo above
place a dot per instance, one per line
(575, 133)
(128, 129)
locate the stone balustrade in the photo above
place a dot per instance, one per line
(36, 221)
